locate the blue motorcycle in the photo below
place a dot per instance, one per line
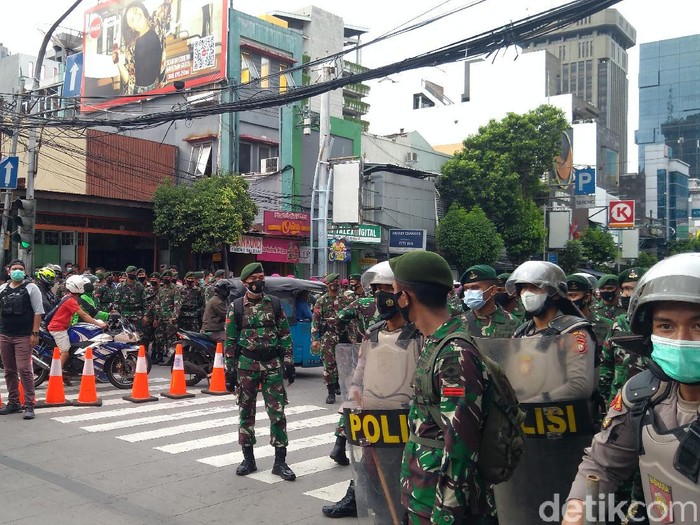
(114, 352)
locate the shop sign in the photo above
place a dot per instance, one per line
(362, 233)
(248, 244)
(287, 223)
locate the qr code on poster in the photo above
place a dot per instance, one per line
(204, 53)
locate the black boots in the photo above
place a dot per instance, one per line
(280, 468)
(345, 508)
(337, 388)
(248, 464)
(338, 453)
(331, 394)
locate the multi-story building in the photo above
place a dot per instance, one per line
(593, 66)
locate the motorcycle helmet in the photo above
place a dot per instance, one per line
(90, 281)
(380, 273)
(222, 288)
(46, 275)
(543, 274)
(76, 284)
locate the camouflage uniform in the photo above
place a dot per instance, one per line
(191, 308)
(259, 334)
(444, 485)
(104, 295)
(608, 311)
(501, 324)
(129, 301)
(454, 304)
(150, 300)
(167, 311)
(326, 328)
(358, 316)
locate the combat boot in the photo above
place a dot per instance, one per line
(248, 464)
(345, 508)
(280, 467)
(331, 394)
(337, 388)
(338, 453)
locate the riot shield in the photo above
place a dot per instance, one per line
(375, 379)
(553, 378)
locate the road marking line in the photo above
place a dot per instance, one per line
(232, 437)
(71, 408)
(330, 493)
(129, 423)
(303, 468)
(266, 451)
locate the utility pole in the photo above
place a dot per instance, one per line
(13, 152)
(321, 190)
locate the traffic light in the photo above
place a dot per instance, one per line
(24, 221)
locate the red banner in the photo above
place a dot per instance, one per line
(287, 223)
(279, 250)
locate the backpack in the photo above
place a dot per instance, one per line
(238, 310)
(47, 318)
(503, 440)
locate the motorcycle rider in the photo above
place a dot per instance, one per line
(44, 279)
(654, 422)
(88, 303)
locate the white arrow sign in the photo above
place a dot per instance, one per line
(73, 72)
(8, 174)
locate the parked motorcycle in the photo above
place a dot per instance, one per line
(198, 352)
(115, 352)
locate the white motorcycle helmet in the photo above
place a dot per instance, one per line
(76, 284)
(380, 273)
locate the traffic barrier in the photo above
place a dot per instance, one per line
(178, 386)
(55, 394)
(139, 391)
(217, 383)
(87, 396)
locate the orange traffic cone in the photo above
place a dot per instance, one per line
(1, 403)
(55, 395)
(88, 389)
(139, 392)
(217, 383)
(21, 393)
(178, 388)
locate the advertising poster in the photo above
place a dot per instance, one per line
(136, 49)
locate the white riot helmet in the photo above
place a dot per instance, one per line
(543, 274)
(380, 273)
(76, 284)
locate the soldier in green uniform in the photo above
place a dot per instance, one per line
(327, 331)
(209, 288)
(454, 303)
(104, 290)
(259, 351)
(129, 298)
(166, 313)
(509, 303)
(440, 482)
(485, 318)
(149, 314)
(609, 290)
(191, 305)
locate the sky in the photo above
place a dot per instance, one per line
(652, 19)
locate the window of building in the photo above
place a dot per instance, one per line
(572, 76)
(67, 239)
(245, 152)
(421, 101)
(265, 73)
(248, 70)
(250, 154)
(200, 159)
(565, 79)
(283, 78)
(589, 81)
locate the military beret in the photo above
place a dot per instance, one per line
(155, 275)
(189, 274)
(166, 273)
(503, 277)
(130, 269)
(631, 275)
(578, 283)
(219, 273)
(141, 270)
(355, 276)
(100, 275)
(331, 277)
(199, 274)
(421, 266)
(607, 280)
(478, 272)
(250, 269)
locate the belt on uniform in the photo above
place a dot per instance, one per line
(262, 354)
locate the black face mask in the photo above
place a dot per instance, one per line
(607, 296)
(190, 283)
(166, 280)
(625, 302)
(405, 310)
(131, 276)
(502, 299)
(154, 284)
(580, 303)
(256, 287)
(109, 280)
(386, 305)
(142, 279)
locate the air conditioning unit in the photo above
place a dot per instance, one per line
(412, 156)
(271, 165)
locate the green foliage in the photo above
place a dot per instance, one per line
(468, 238)
(211, 212)
(599, 247)
(501, 170)
(571, 256)
(683, 246)
(646, 260)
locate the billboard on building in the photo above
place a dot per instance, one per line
(137, 49)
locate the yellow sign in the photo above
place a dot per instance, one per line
(379, 428)
(556, 420)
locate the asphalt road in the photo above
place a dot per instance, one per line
(170, 461)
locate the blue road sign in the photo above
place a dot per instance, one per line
(584, 181)
(553, 257)
(9, 167)
(73, 78)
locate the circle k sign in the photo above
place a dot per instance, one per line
(621, 214)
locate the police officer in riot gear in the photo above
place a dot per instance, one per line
(654, 421)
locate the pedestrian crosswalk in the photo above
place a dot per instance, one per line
(204, 430)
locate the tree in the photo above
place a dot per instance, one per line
(468, 238)
(205, 216)
(571, 256)
(501, 169)
(683, 246)
(599, 247)
(646, 260)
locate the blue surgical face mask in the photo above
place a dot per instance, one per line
(17, 275)
(474, 299)
(679, 359)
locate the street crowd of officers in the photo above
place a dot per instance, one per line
(158, 305)
(632, 362)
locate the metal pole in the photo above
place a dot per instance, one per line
(323, 189)
(13, 152)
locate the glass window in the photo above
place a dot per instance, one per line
(589, 81)
(283, 78)
(565, 79)
(51, 238)
(265, 73)
(200, 159)
(580, 82)
(67, 239)
(245, 68)
(573, 78)
(245, 151)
